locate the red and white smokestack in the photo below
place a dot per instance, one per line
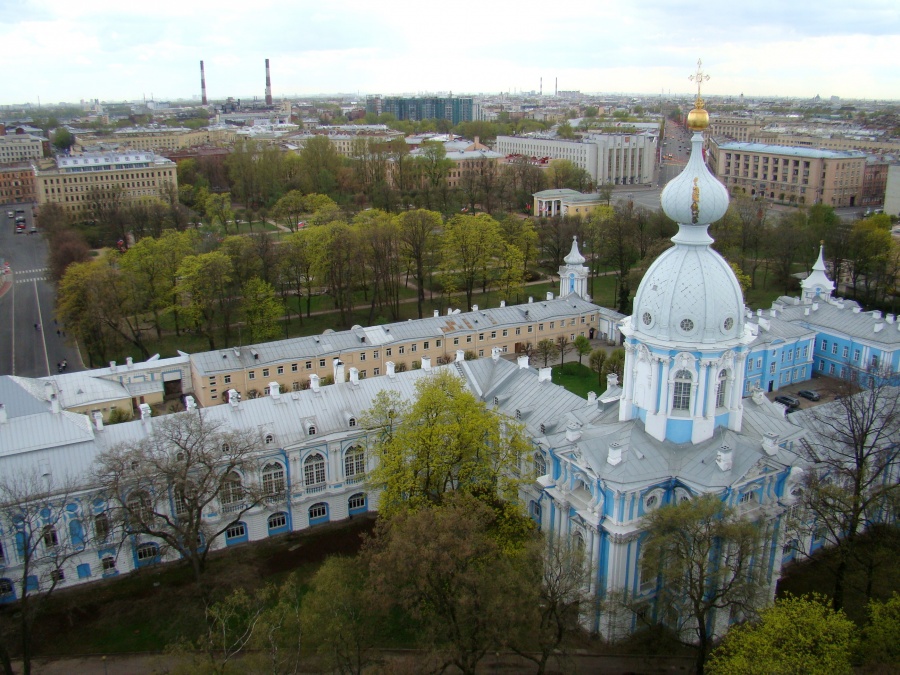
(203, 83)
(268, 85)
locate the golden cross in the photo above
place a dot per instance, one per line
(699, 77)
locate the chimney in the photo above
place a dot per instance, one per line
(876, 314)
(592, 398)
(474, 308)
(146, 411)
(503, 303)
(234, 398)
(390, 369)
(275, 390)
(54, 403)
(112, 366)
(723, 458)
(129, 362)
(612, 380)
(890, 318)
(437, 313)
(202, 84)
(339, 372)
(773, 313)
(530, 299)
(426, 363)
(770, 443)
(549, 295)
(879, 326)
(449, 311)
(460, 356)
(806, 311)
(190, 402)
(354, 377)
(495, 353)
(573, 432)
(314, 382)
(3, 417)
(544, 375)
(614, 455)
(815, 306)
(759, 312)
(857, 309)
(522, 361)
(268, 85)
(98, 420)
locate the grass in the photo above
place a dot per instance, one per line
(577, 378)
(149, 609)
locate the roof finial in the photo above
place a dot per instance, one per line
(699, 77)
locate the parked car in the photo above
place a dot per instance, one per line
(10, 214)
(788, 401)
(809, 395)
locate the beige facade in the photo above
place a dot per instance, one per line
(371, 351)
(789, 175)
(565, 202)
(831, 143)
(73, 182)
(739, 128)
(16, 148)
(159, 139)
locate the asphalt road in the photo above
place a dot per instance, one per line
(29, 300)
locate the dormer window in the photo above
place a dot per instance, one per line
(351, 422)
(496, 400)
(269, 439)
(518, 414)
(543, 429)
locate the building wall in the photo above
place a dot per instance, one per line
(827, 177)
(22, 148)
(821, 142)
(737, 128)
(72, 187)
(778, 364)
(17, 183)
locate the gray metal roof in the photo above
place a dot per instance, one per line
(791, 151)
(831, 318)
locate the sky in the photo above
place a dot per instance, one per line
(113, 50)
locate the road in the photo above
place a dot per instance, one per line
(28, 301)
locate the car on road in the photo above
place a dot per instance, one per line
(10, 214)
(789, 402)
(809, 395)
(20, 228)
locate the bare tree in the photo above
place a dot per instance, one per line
(47, 534)
(564, 345)
(547, 350)
(164, 485)
(853, 481)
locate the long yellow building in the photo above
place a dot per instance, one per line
(74, 182)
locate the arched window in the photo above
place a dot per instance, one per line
(236, 533)
(647, 574)
(139, 507)
(357, 503)
(681, 397)
(50, 536)
(101, 526)
(318, 513)
(76, 533)
(352, 422)
(314, 470)
(354, 463)
(720, 389)
(232, 489)
(269, 439)
(540, 464)
(273, 478)
(578, 542)
(277, 522)
(148, 552)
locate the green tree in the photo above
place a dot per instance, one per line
(261, 310)
(472, 247)
(880, 643)
(63, 139)
(547, 350)
(564, 173)
(339, 616)
(290, 208)
(202, 289)
(444, 440)
(419, 232)
(795, 636)
(598, 361)
(615, 363)
(320, 166)
(700, 553)
(582, 347)
(445, 568)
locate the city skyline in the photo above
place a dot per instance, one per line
(101, 49)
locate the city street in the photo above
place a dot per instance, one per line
(27, 300)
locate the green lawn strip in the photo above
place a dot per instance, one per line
(577, 378)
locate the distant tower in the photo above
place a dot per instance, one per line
(542, 87)
(203, 83)
(556, 86)
(268, 85)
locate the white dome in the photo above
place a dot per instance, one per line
(689, 294)
(695, 196)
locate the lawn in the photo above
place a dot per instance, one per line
(147, 610)
(577, 378)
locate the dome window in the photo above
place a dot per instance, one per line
(647, 318)
(729, 324)
(686, 325)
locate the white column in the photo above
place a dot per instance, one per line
(712, 385)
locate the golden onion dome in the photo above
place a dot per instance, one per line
(698, 119)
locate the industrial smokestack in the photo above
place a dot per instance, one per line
(203, 82)
(556, 87)
(542, 87)
(268, 85)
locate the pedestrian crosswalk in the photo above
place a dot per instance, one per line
(27, 276)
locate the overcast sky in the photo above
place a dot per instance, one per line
(60, 50)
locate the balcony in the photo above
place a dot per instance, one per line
(234, 507)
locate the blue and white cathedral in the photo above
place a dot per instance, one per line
(678, 426)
